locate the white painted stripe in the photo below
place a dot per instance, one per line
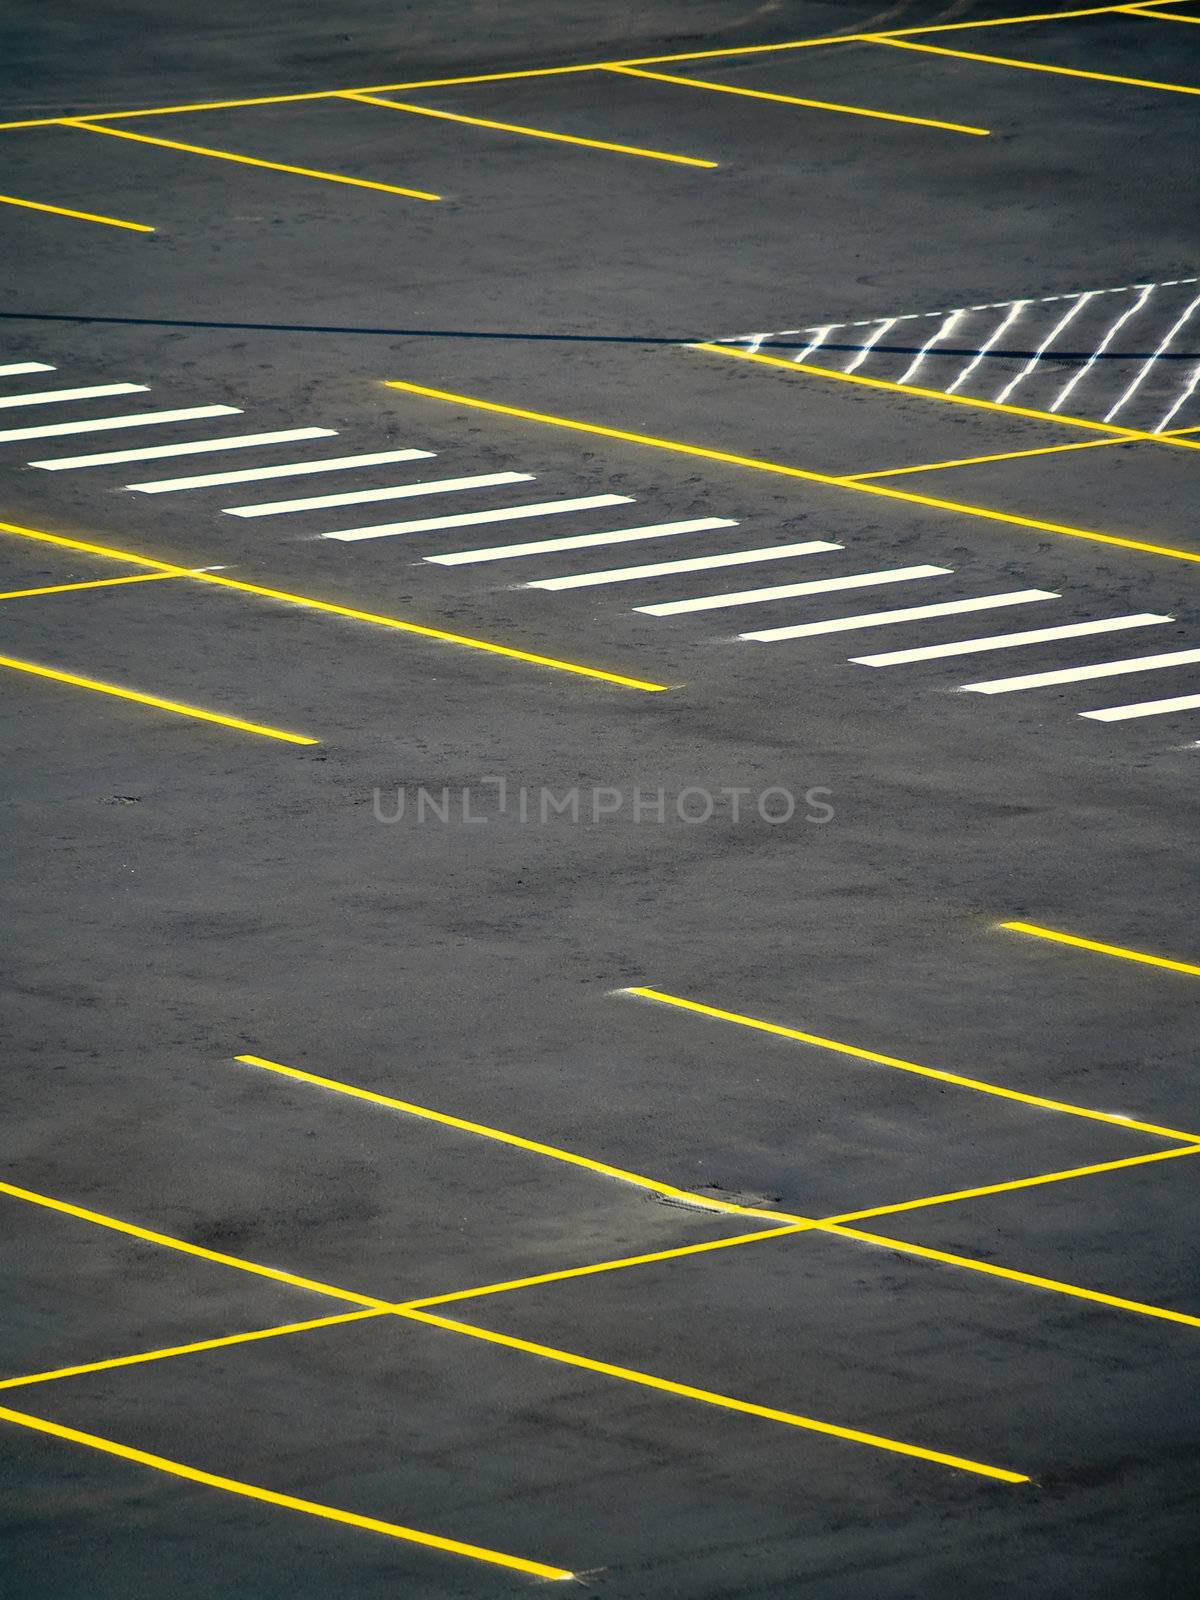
(736, 558)
(195, 447)
(1008, 641)
(1184, 396)
(580, 541)
(1147, 290)
(1145, 708)
(140, 419)
(17, 369)
(1101, 669)
(888, 322)
(1072, 310)
(355, 497)
(49, 397)
(998, 332)
(289, 469)
(544, 508)
(819, 337)
(788, 591)
(946, 328)
(883, 619)
(1144, 371)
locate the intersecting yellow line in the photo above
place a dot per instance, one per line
(94, 583)
(246, 161)
(1032, 66)
(755, 464)
(530, 133)
(1006, 455)
(250, 1491)
(794, 100)
(330, 608)
(80, 216)
(1052, 934)
(1158, 16)
(874, 1056)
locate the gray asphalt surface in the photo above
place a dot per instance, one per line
(180, 893)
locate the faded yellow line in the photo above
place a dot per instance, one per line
(530, 133)
(92, 684)
(247, 161)
(1006, 455)
(875, 1057)
(793, 100)
(1033, 66)
(1052, 934)
(289, 1502)
(66, 211)
(677, 447)
(587, 66)
(330, 608)
(95, 583)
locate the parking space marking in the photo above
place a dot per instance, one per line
(1034, 930)
(193, 447)
(357, 497)
(658, 569)
(154, 701)
(141, 419)
(94, 583)
(1098, 669)
(787, 591)
(16, 369)
(582, 541)
(470, 519)
(660, 997)
(245, 161)
(250, 1491)
(529, 133)
(794, 100)
(92, 391)
(80, 216)
(330, 608)
(1145, 708)
(1009, 641)
(287, 469)
(881, 619)
(754, 464)
(1031, 66)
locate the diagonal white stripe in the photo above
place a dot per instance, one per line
(580, 541)
(140, 419)
(883, 619)
(1009, 641)
(49, 397)
(545, 508)
(734, 558)
(288, 469)
(1100, 669)
(355, 497)
(789, 591)
(195, 447)
(1145, 708)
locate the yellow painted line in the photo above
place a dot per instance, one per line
(686, 1391)
(534, 1146)
(1006, 455)
(874, 1056)
(195, 1348)
(1112, 429)
(1158, 16)
(247, 161)
(1035, 66)
(1012, 1184)
(529, 133)
(793, 100)
(1160, 1313)
(757, 465)
(96, 583)
(152, 700)
(553, 72)
(65, 211)
(289, 1502)
(1037, 932)
(329, 608)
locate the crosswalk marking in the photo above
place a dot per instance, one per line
(1008, 641)
(288, 469)
(354, 497)
(881, 619)
(140, 419)
(194, 447)
(735, 558)
(18, 369)
(49, 397)
(788, 591)
(582, 541)
(1100, 669)
(1146, 708)
(466, 519)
